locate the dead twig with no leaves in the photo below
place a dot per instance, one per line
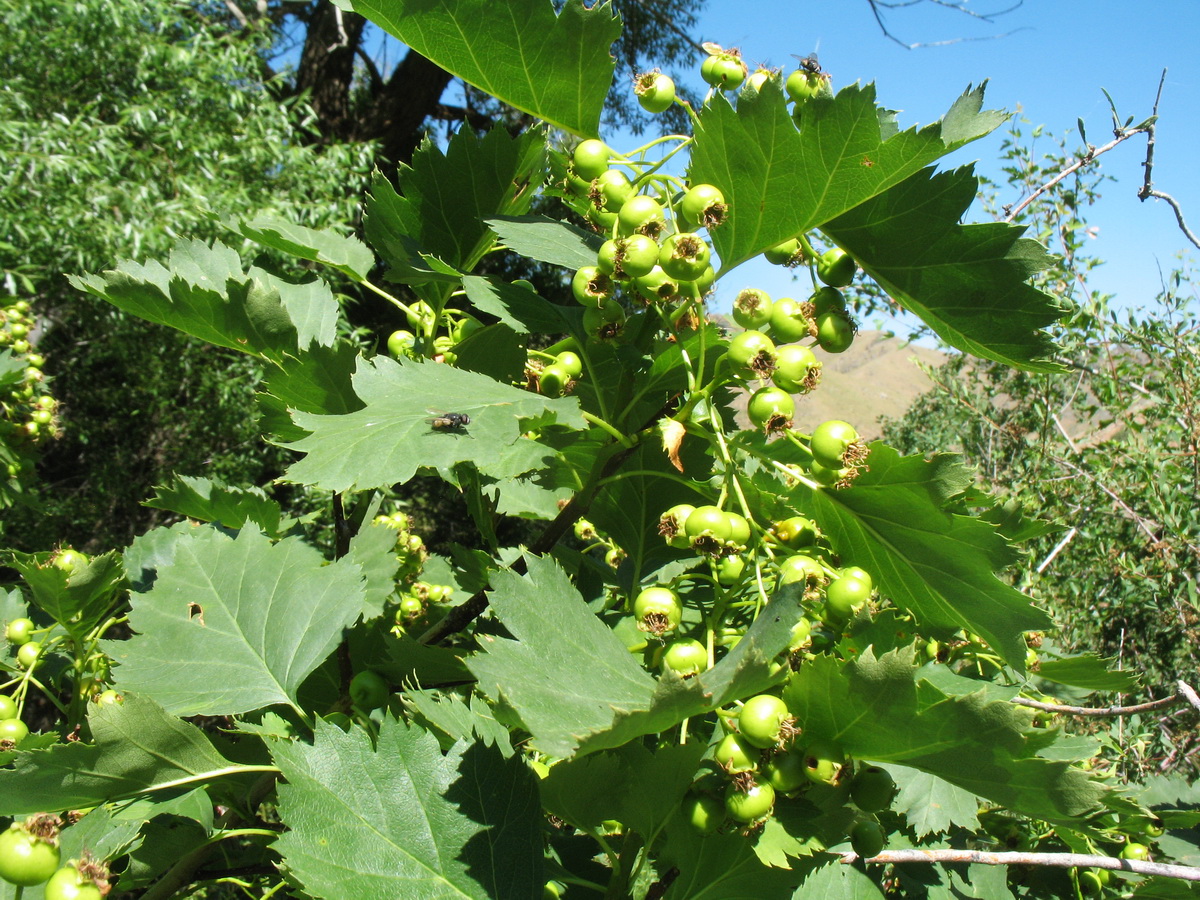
(1183, 694)
(1056, 860)
(1147, 190)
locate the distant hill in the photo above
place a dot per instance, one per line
(878, 376)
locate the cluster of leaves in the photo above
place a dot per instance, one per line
(129, 124)
(370, 719)
(1105, 450)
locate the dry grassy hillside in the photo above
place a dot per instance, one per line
(877, 376)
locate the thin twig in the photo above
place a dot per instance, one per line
(1055, 860)
(1141, 521)
(1088, 157)
(1147, 189)
(986, 17)
(237, 13)
(1099, 712)
(1058, 548)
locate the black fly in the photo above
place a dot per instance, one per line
(809, 63)
(451, 421)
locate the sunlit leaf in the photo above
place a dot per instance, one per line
(898, 521)
(399, 819)
(394, 434)
(234, 625)
(554, 66)
(203, 291)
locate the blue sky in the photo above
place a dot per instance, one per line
(1051, 66)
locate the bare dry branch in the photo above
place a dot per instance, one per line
(1056, 860)
(878, 5)
(1090, 156)
(1099, 712)
(1189, 694)
(237, 13)
(1147, 189)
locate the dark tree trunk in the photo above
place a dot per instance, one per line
(400, 109)
(327, 68)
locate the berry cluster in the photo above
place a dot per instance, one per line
(28, 415)
(30, 855)
(431, 335)
(762, 761)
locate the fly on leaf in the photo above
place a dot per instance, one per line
(449, 421)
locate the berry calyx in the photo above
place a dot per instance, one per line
(771, 409)
(655, 91)
(752, 308)
(764, 721)
(704, 206)
(658, 610)
(684, 256)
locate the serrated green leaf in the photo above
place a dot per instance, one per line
(932, 805)
(458, 721)
(874, 708)
(966, 282)
(519, 308)
(981, 882)
(402, 820)
(168, 753)
(102, 834)
(392, 436)
(780, 182)
(803, 827)
(898, 522)
(444, 198)
(555, 67)
(317, 380)
(373, 551)
(234, 625)
(566, 672)
(1088, 671)
(78, 601)
(721, 867)
(345, 253)
(834, 881)
(495, 351)
(547, 240)
(202, 291)
(564, 652)
(209, 500)
(637, 787)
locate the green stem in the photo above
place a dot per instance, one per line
(622, 439)
(646, 473)
(395, 301)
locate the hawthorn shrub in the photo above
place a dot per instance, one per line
(729, 663)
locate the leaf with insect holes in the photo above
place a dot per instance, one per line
(232, 625)
(397, 430)
(553, 65)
